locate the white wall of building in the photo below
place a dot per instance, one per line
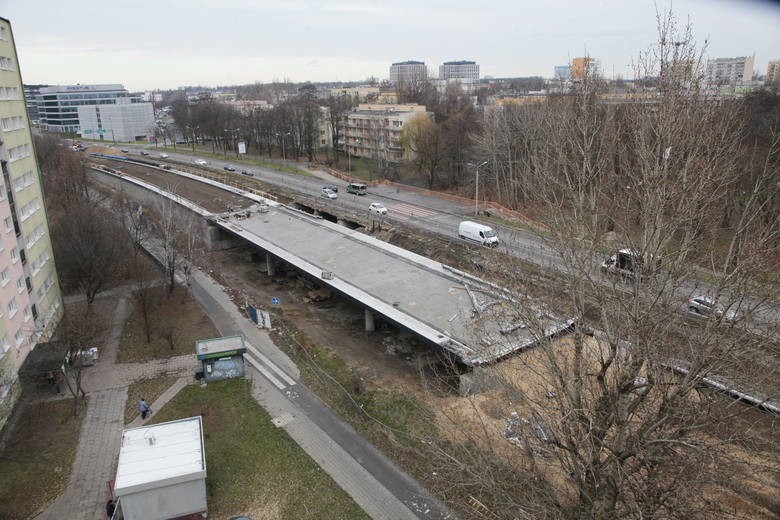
(121, 122)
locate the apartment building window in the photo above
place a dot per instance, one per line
(9, 224)
(12, 308)
(27, 313)
(9, 94)
(3, 34)
(4, 277)
(19, 338)
(23, 181)
(30, 208)
(12, 123)
(36, 235)
(2, 192)
(20, 285)
(6, 63)
(39, 262)
(14, 255)
(18, 152)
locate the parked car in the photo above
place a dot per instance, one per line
(248, 173)
(229, 168)
(200, 162)
(328, 193)
(124, 150)
(707, 307)
(334, 189)
(377, 208)
(164, 155)
(144, 152)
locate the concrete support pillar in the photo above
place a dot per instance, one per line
(269, 264)
(369, 321)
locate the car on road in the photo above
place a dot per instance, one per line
(377, 208)
(328, 193)
(248, 173)
(200, 162)
(164, 155)
(124, 150)
(707, 307)
(229, 168)
(144, 152)
(334, 189)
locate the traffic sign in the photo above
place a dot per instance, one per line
(275, 301)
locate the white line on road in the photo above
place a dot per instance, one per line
(278, 384)
(267, 362)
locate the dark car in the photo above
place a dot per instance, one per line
(144, 152)
(334, 189)
(230, 168)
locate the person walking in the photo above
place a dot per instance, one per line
(144, 408)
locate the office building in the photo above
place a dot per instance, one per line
(464, 70)
(408, 72)
(730, 71)
(773, 73)
(58, 105)
(374, 130)
(123, 121)
(30, 300)
(31, 100)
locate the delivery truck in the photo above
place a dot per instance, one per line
(478, 233)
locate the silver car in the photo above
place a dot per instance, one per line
(328, 193)
(707, 307)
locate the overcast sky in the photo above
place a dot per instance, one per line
(170, 43)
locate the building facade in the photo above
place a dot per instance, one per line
(463, 70)
(374, 130)
(562, 72)
(30, 300)
(123, 121)
(773, 73)
(581, 67)
(408, 72)
(729, 71)
(58, 105)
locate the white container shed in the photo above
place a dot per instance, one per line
(161, 472)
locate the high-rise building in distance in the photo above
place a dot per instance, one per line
(467, 70)
(408, 72)
(773, 73)
(730, 71)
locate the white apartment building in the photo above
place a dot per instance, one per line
(729, 71)
(123, 121)
(374, 130)
(408, 72)
(30, 300)
(462, 70)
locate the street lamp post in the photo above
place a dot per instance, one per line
(476, 185)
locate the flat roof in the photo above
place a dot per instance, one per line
(214, 345)
(162, 454)
(451, 309)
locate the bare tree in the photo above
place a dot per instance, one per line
(422, 139)
(81, 329)
(87, 250)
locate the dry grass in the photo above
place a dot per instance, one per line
(177, 313)
(36, 463)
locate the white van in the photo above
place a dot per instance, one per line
(479, 233)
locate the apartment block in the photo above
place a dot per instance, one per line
(408, 72)
(462, 70)
(581, 67)
(773, 73)
(730, 71)
(30, 299)
(374, 130)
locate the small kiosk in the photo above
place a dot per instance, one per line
(222, 358)
(161, 473)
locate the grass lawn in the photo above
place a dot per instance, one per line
(177, 314)
(149, 389)
(36, 463)
(253, 467)
(252, 160)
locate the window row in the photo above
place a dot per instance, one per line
(9, 94)
(36, 235)
(6, 63)
(39, 262)
(47, 284)
(30, 208)
(19, 152)
(12, 123)
(23, 181)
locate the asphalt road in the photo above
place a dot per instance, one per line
(442, 216)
